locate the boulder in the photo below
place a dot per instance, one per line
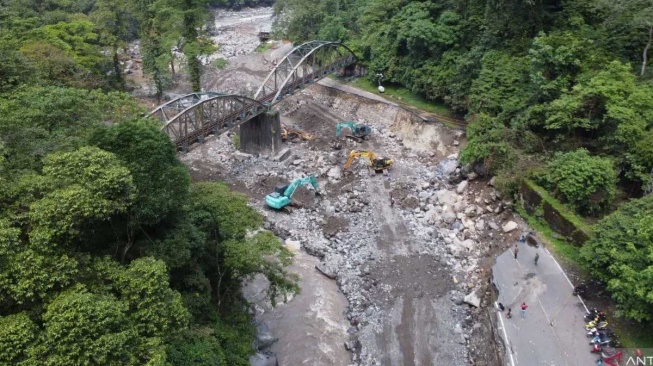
(493, 225)
(473, 299)
(282, 155)
(447, 166)
(335, 172)
(470, 211)
(261, 359)
(448, 215)
(462, 186)
(509, 226)
(264, 338)
(446, 197)
(468, 244)
(424, 195)
(293, 245)
(330, 264)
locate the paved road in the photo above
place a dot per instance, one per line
(351, 90)
(552, 333)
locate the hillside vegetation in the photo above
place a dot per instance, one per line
(108, 254)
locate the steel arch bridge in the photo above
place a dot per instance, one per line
(190, 118)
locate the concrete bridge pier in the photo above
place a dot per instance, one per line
(261, 134)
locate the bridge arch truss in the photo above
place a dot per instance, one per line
(304, 65)
(190, 118)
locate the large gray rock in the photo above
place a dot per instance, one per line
(282, 155)
(264, 338)
(446, 197)
(473, 299)
(462, 186)
(335, 172)
(329, 265)
(448, 215)
(423, 195)
(468, 244)
(509, 226)
(261, 359)
(447, 166)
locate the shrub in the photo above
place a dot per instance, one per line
(621, 254)
(587, 183)
(488, 143)
(220, 63)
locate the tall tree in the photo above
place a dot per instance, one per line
(194, 43)
(154, 22)
(113, 20)
(633, 14)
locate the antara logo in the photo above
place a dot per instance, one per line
(639, 361)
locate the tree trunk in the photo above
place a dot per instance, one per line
(648, 45)
(117, 69)
(194, 68)
(172, 64)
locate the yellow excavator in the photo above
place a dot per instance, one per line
(289, 132)
(376, 164)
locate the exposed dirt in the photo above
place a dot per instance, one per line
(333, 225)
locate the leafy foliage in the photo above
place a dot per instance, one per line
(81, 327)
(586, 182)
(621, 254)
(489, 138)
(17, 333)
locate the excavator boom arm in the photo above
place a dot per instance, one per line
(300, 182)
(341, 125)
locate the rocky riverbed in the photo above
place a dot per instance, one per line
(414, 273)
(394, 268)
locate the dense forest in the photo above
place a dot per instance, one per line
(108, 254)
(557, 91)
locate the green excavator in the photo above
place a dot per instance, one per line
(358, 132)
(281, 196)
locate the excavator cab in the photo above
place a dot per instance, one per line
(281, 189)
(381, 164)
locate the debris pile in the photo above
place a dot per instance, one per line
(415, 263)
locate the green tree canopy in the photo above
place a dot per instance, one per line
(588, 183)
(621, 254)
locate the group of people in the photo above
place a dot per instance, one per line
(509, 313)
(523, 306)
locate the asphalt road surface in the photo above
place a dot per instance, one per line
(552, 332)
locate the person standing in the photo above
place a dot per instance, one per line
(509, 315)
(523, 310)
(537, 257)
(516, 250)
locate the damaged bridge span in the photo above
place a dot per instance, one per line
(191, 118)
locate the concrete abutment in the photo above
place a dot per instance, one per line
(261, 134)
